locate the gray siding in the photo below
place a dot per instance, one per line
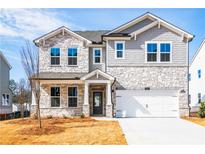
(138, 26)
(135, 49)
(93, 66)
(4, 86)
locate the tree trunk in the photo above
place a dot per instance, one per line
(22, 110)
(38, 113)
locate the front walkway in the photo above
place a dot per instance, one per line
(161, 131)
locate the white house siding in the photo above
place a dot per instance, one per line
(197, 85)
(64, 42)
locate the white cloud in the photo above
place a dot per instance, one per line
(30, 23)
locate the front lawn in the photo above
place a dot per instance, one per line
(61, 131)
(197, 120)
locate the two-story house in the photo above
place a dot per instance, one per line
(5, 92)
(197, 78)
(138, 69)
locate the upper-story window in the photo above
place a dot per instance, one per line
(165, 49)
(97, 55)
(199, 74)
(55, 56)
(55, 96)
(72, 56)
(151, 52)
(5, 99)
(158, 52)
(119, 49)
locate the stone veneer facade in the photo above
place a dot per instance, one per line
(157, 78)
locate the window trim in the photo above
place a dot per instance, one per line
(158, 51)
(72, 56)
(72, 96)
(55, 96)
(97, 56)
(55, 56)
(4, 100)
(123, 51)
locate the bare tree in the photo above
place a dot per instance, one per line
(30, 61)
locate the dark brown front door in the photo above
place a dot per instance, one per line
(97, 103)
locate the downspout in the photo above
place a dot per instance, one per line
(188, 79)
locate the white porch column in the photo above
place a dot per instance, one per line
(109, 101)
(108, 89)
(86, 97)
(86, 107)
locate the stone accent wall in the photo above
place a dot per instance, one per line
(63, 110)
(167, 78)
(109, 111)
(64, 42)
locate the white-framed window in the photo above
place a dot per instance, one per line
(97, 55)
(55, 56)
(165, 52)
(72, 96)
(72, 56)
(5, 100)
(55, 96)
(158, 51)
(119, 49)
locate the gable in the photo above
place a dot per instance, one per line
(139, 25)
(62, 31)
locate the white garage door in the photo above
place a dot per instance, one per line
(150, 103)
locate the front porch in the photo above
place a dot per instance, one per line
(98, 94)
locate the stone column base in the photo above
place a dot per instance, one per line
(33, 113)
(86, 110)
(109, 111)
(184, 112)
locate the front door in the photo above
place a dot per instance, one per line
(97, 103)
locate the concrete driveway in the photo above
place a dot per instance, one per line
(161, 131)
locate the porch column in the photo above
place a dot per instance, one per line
(86, 107)
(109, 100)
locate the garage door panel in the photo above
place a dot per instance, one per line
(147, 104)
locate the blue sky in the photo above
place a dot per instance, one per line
(16, 25)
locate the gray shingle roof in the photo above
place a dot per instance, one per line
(60, 75)
(94, 36)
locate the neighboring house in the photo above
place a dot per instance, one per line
(139, 69)
(197, 78)
(5, 92)
(17, 107)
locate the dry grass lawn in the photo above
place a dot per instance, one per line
(61, 131)
(197, 120)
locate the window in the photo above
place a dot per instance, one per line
(165, 49)
(199, 97)
(5, 99)
(55, 96)
(55, 56)
(72, 56)
(97, 54)
(72, 96)
(189, 77)
(152, 52)
(119, 49)
(158, 52)
(199, 74)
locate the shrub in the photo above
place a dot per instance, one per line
(201, 112)
(82, 115)
(49, 117)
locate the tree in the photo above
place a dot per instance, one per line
(30, 62)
